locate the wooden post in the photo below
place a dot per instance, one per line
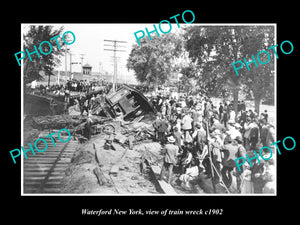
(210, 159)
(100, 176)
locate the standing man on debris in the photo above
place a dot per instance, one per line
(171, 152)
(156, 124)
(232, 150)
(88, 127)
(163, 129)
(186, 124)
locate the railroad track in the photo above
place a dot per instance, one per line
(43, 172)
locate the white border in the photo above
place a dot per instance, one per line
(150, 195)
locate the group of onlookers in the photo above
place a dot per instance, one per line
(202, 139)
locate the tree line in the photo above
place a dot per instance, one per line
(203, 55)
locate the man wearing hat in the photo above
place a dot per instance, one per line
(156, 124)
(216, 124)
(163, 129)
(232, 150)
(269, 176)
(171, 152)
(216, 144)
(199, 136)
(257, 169)
(264, 132)
(240, 153)
(247, 129)
(253, 136)
(186, 124)
(243, 117)
(221, 108)
(231, 116)
(88, 127)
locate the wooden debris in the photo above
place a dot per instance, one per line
(130, 141)
(156, 170)
(100, 176)
(97, 155)
(117, 147)
(120, 138)
(167, 188)
(114, 170)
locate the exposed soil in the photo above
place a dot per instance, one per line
(129, 179)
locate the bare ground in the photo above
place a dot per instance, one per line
(80, 177)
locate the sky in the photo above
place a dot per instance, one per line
(90, 42)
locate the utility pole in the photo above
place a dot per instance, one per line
(115, 46)
(82, 63)
(71, 77)
(66, 61)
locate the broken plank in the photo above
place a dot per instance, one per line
(100, 176)
(156, 170)
(167, 188)
(117, 147)
(98, 157)
(114, 170)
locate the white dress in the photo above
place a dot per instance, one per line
(247, 184)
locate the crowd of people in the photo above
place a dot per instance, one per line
(82, 85)
(202, 137)
(73, 85)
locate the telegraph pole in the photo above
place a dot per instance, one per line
(66, 61)
(115, 46)
(81, 63)
(71, 77)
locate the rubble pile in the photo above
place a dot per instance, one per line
(115, 141)
(136, 132)
(99, 170)
(56, 121)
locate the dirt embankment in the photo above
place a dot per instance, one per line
(120, 168)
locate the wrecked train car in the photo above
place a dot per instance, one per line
(126, 102)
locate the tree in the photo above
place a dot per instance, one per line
(44, 63)
(152, 61)
(215, 48)
(259, 80)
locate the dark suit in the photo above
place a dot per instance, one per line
(258, 182)
(231, 152)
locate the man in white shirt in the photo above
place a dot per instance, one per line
(171, 152)
(190, 174)
(186, 124)
(233, 131)
(231, 116)
(33, 86)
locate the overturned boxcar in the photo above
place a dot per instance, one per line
(127, 102)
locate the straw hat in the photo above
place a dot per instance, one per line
(237, 125)
(216, 132)
(198, 125)
(239, 139)
(171, 139)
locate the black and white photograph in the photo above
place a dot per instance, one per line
(161, 114)
(166, 114)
